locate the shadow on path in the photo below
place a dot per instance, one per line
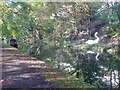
(22, 71)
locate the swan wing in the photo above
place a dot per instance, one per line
(90, 42)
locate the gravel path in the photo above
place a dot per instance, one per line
(22, 71)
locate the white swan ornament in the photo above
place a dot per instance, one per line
(93, 41)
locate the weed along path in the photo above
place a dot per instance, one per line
(22, 71)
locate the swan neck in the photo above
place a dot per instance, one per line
(96, 36)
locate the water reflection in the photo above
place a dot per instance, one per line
(99, 69)
(97, 54)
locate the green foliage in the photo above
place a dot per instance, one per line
(57, 25)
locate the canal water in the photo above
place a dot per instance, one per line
(101, 69)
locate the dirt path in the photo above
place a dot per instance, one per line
(22, 71)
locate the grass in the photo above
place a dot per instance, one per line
(62, 79)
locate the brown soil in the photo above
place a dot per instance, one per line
(23, 71)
